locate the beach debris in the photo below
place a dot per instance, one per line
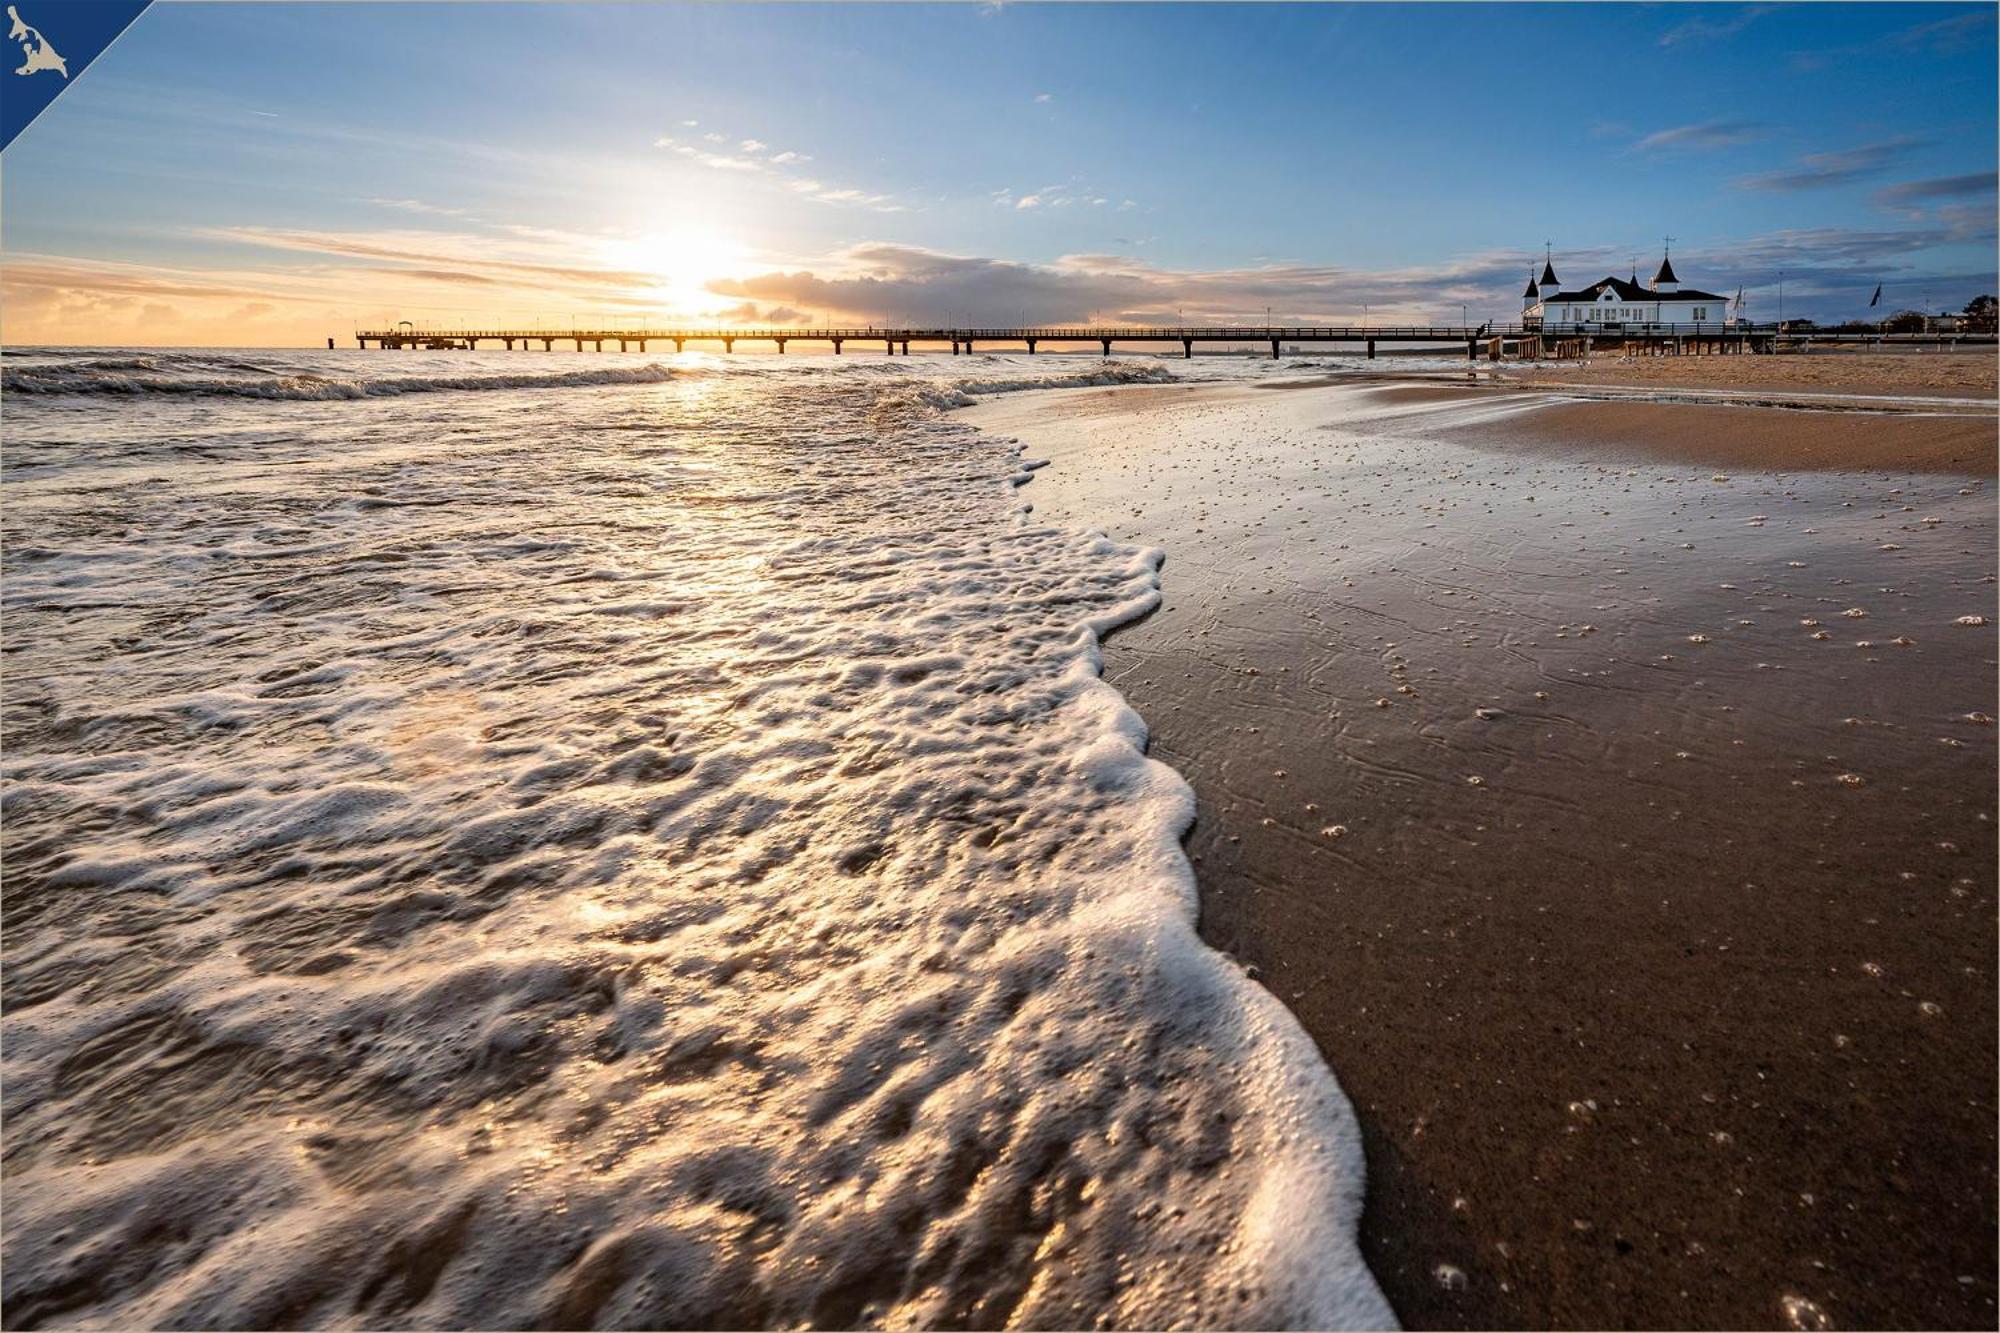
(1334, 831)
(1381, 703)
(1930, 1008)
(1854, 613)
(1488, 714)
(1872, 969)
(1863, 643)
(1449, 1276)
(1796, 564)
(1850, 779)
(1821, 634)
(1697, 638)
(1541, 694)
(1902, 641)
(1475, 781)
(1970, 620)
(1809, 622)
(1888, 546)
(1980, 719)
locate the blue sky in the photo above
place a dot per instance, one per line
(287, 170)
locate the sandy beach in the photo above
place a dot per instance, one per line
(1920, 372)
(1607, 787)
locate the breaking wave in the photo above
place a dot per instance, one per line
(141, 375)
(665, 860)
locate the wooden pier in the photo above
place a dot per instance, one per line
(1495, 340)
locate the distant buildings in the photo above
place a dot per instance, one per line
(1608, 305)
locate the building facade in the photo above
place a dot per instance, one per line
(1612, 304)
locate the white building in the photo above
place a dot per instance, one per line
(1614, 305)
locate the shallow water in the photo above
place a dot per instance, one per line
(620, 843)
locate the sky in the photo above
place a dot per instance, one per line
(276, 174)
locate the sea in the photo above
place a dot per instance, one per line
(506, 839)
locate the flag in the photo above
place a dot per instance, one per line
(1876, 299)
(55, 39)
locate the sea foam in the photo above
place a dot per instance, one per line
(670, 859)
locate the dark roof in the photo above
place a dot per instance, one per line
(1548, 273)
(1630, 291)
(1531, 285)
(1666, 273)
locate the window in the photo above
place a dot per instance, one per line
(1700, 312)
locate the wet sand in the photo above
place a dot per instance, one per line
(1916, 372)
(1640, 895)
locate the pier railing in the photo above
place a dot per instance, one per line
(1708, 336)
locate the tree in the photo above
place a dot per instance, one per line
(1904, 321)
(1979, 313)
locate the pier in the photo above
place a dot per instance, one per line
(1491, 340)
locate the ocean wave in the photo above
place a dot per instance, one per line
(685, 873)
(126, 377)
(943, 395)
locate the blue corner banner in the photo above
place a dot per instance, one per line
(49, 42)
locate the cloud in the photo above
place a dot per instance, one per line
(1941, 37)
(1045, 97)
(776, 167)
(1705, 136)
(419, 206)
(885, 282)
(1939, 187)
(338, 281)
(1706, 29)
(462, 253)
(1819, 170)
(1946, 36)
(1028, 201)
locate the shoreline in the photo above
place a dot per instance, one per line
(1660, 1021)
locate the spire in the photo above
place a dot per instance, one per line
(1548, 268)
(1664, 281)
(1531, 293)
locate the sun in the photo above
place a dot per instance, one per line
(678, 264)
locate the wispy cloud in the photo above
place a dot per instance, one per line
(1817, 171)
(419, 206)
(1708, 29)
(1963, 204)
(1705, 136)
(1045, 97)
(1071, 195)
(1941, 37)
(470, 256)
(754, 157)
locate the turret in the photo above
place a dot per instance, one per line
(1548, 282)
(1664, 282)
(1532, 295)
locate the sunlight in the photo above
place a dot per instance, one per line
(682, 262)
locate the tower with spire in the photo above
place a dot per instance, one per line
(1664, 282)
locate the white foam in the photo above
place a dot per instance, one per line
(677, 863)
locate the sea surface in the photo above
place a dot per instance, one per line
(516, 839)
